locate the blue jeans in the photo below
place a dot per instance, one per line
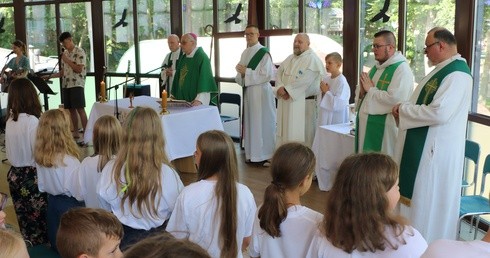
(57, 205)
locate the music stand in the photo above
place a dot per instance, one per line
(43, 88)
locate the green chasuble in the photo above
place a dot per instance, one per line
(193, 75)
(415, 138)
(252, 64)
(375, 126)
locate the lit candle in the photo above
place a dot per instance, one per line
(164, 99)
(102, 90)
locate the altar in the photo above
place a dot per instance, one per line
(335, 143)
(181, 126)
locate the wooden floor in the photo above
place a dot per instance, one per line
(255, 176)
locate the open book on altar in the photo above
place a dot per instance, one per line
(176, 103)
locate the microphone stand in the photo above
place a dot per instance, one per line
(116, 87)
(1, 75)
(52, 71)
(5, 81)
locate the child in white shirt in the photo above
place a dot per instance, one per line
(359, 219)
(107, 139)
(283, 227)
(56, 155)
(139, 186)
(334, 106)
(216, 212)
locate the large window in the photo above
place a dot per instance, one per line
(123, 54)
(232, 15)
(42, 39)
(324, 24)
(7, 36)
(423, 16)
(197, 14)
(373, 20)
(282, 14)
(118, 34)
(75, 18)
(324, 18)
(481, 85)
(481, 64)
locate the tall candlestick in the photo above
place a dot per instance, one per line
(164, 100)
(102, 91)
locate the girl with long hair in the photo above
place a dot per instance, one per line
(284, 228)
(20, 135)
(18, 66)
(56, 155)
(216, 212)
(140, 186)
(107, 136)
(359, 218)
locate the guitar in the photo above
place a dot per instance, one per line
(8, 75)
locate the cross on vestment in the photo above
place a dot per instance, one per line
(429, 88)
(384, 82)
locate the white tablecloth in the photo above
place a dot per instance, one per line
(180, 128)
(332, 145)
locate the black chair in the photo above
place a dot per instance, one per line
(233, 99)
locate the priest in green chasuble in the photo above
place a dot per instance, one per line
(390, 81)
(193, 81)
(431, 140)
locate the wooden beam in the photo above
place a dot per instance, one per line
(263, 33)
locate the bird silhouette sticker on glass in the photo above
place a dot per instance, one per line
(122, 21)
(234, 17)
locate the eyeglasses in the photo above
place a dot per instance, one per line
(430, 45)
(3, 200)
(376, 46)
(248, 34)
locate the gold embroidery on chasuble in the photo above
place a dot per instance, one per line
(384, 82)
(183, 74)
(430, 88)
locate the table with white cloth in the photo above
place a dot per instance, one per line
(335, 143)
(181, 126)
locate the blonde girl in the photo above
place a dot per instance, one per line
(140, 187)
(284, 228)
(56, 155)
(215, 212)
(20, 136)
(359, 218)
(107, 136)
(12, 245)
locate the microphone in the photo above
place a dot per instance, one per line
(10, 54)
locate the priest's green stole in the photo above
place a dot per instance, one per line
(254, 62)
(415, 138)
(375, 126)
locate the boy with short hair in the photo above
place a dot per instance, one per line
(88, 232)
(334, 106)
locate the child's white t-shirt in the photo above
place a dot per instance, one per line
(195, 216)
(297, 231)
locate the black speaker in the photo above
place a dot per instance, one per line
(137, 90)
